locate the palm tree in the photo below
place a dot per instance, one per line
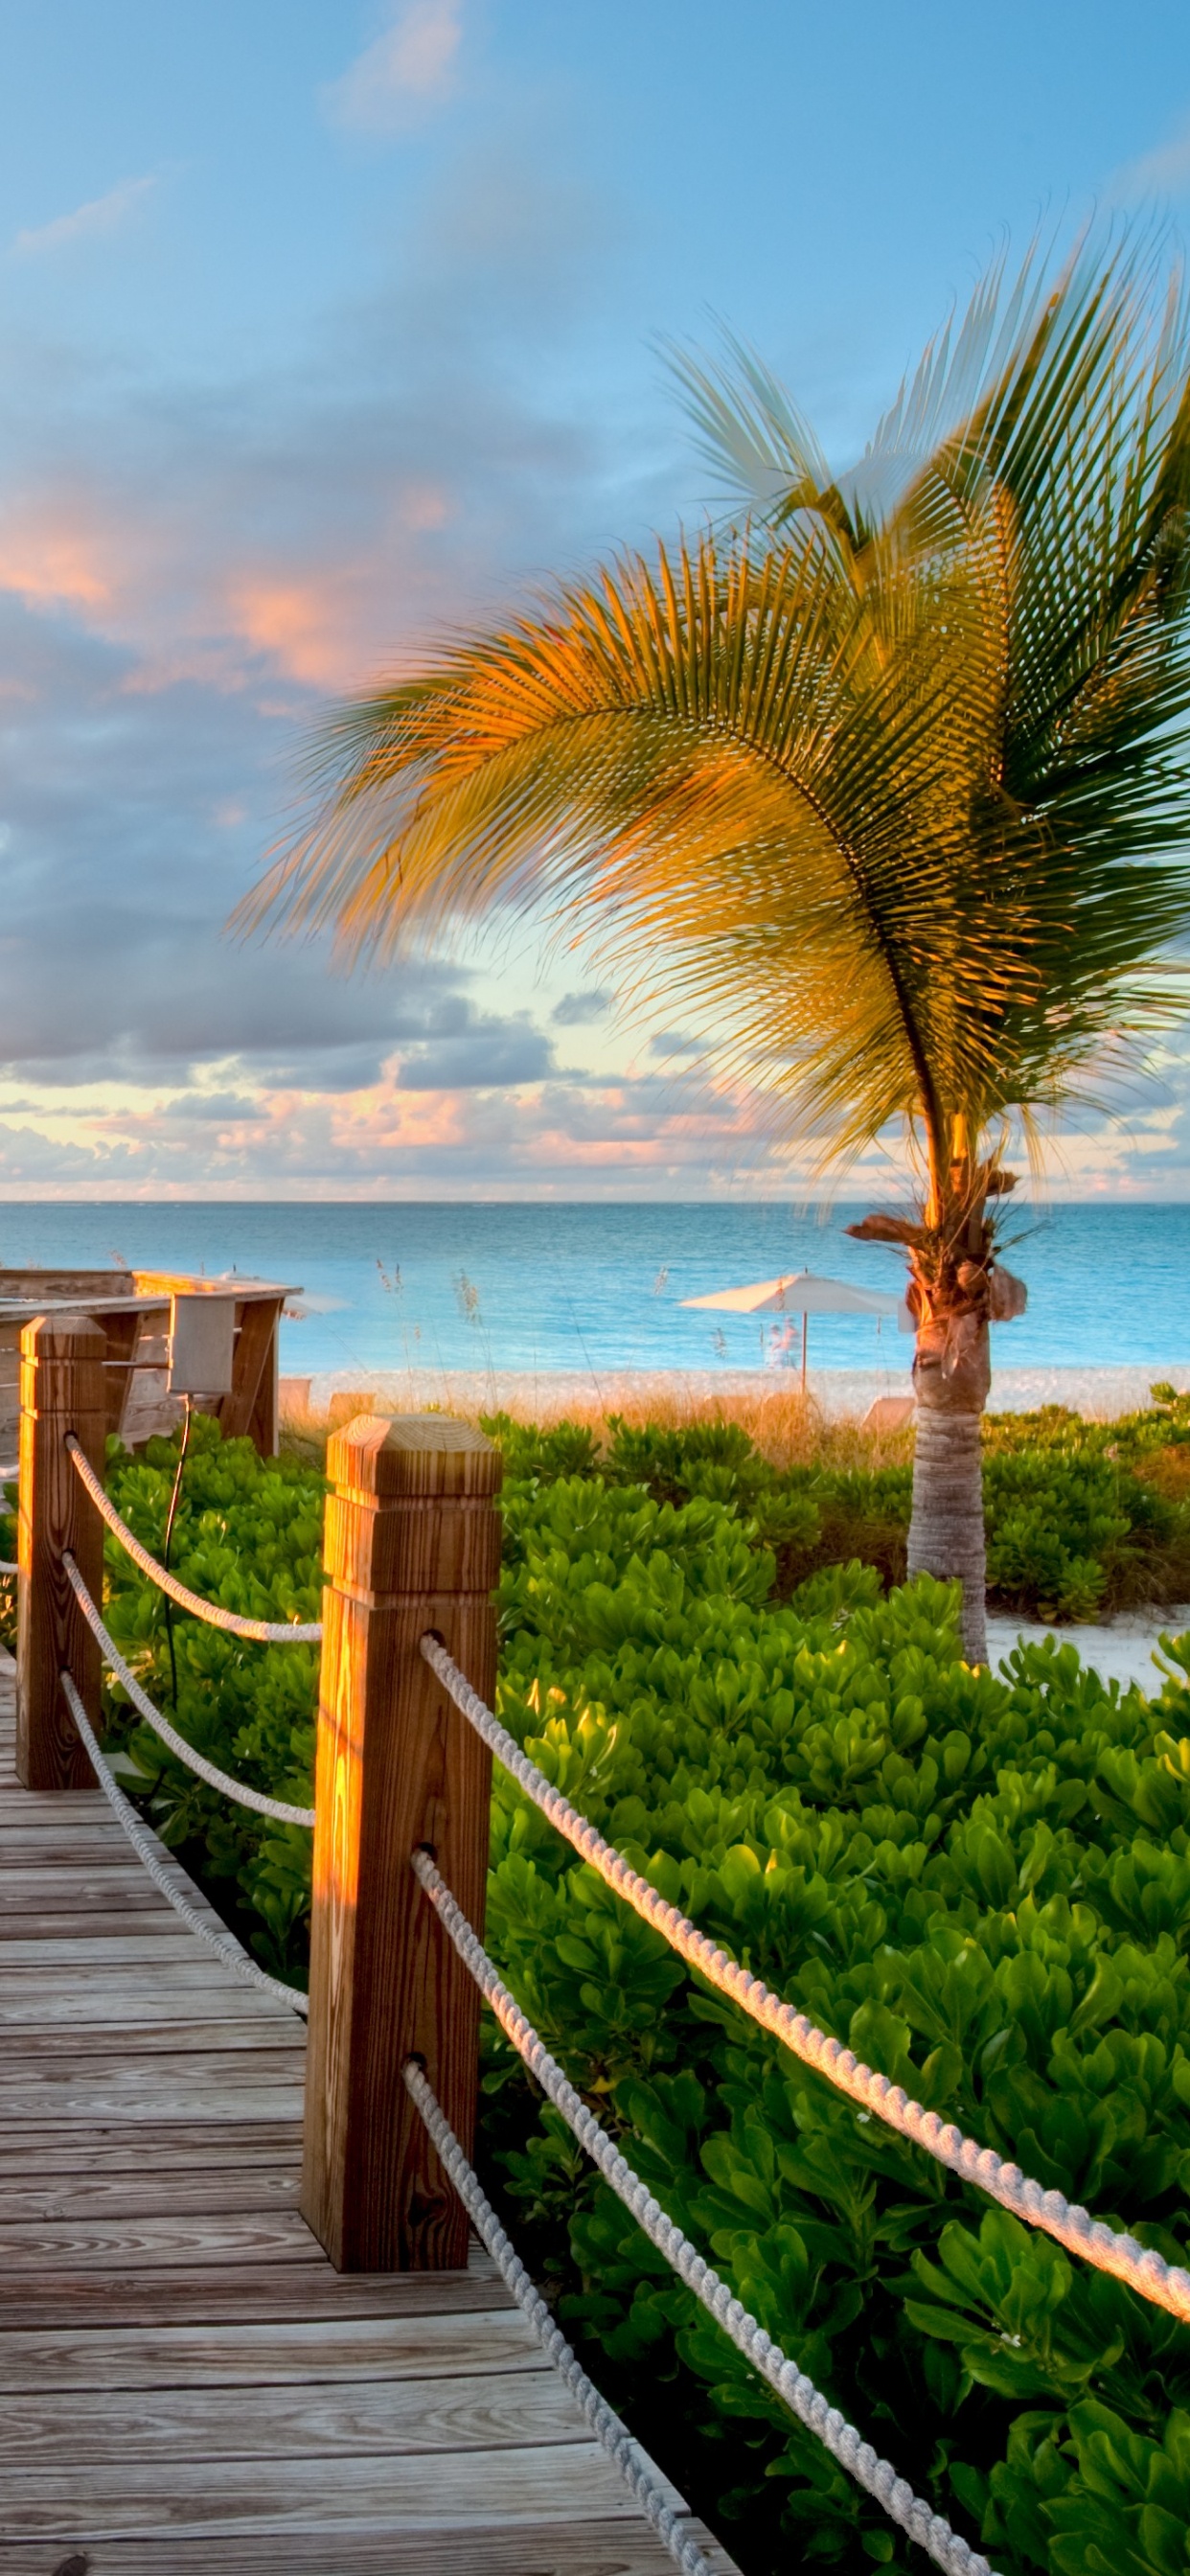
(884, 782)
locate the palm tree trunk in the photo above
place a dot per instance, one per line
(952, 1375)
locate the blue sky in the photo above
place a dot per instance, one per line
(326, 325)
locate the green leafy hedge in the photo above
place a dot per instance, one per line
(249, 1536)
(1083, 1518)
(982, 1884)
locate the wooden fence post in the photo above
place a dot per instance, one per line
(62, 1389)
(412, 1543)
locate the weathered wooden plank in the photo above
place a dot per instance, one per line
(275, 2061)
(108, 1913)
(134, 2243)
(327, 2495)
(184, 2381)
(170, 2146)
(485, 2411)
(94, 2008)
(186, 1971)
(52, 1846)
(33, 1896)
(80, 1806)
(95, 1948)
(143, 2038)
(214, 2082)
(558, 2547)
(173, 1970)
(68, 2200)
(248, 2293)
(233, 2355)
(248, 1410)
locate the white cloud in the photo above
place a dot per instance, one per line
(98, 216)
(1163, 172)
(410, 63)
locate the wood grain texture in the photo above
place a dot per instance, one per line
(215, 2494)
(137, 2243)
(218, 2296)
(313, 2419)
(62, 1389)
(208, 2191)
(332, 2349)
(186, 2383)
(556, 2547)
(250, 1411)
(172, 2146)
(412, 1543)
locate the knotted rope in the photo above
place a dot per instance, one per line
(931, 2530)
(261, 1632)
(1167, 2285)
(216, 1779)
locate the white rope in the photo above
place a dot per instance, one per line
(144, 1845)
(615, 2438)
(1144, 2270)
(222, 1780)
(929, 2529)
(263, 1632)
(9, 1569)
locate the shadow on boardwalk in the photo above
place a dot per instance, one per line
(187, 2388)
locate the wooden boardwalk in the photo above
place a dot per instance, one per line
(187, 2388)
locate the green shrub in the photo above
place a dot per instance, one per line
(1083, 1518)
(248, 1536)
(980, 1883)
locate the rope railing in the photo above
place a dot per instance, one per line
(144, 1844)
(846, 2445)
(604, 2423)
(262, 1805)
(261, 1632)
(1167, 2285)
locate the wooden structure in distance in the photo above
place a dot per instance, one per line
(185, 2382)
(133, 1308)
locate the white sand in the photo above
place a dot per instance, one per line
(1120, 1651)
(1104, 1392)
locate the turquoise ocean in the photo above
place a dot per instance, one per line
(596, 1287)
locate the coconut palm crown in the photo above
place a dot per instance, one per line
(884, 783)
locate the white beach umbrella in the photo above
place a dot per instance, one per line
(801, 1292)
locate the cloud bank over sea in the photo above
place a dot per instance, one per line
(320, 339)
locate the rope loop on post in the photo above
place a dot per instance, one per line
(1141, 2268)
(260, 1632)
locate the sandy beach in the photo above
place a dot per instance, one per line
(1099, 1392)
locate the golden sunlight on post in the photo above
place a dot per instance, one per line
(62, 1389)
(412, 1544)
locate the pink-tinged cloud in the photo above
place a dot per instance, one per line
(53, 556)
(99, 216)
(410, 64)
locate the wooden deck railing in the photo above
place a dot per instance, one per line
(412, 1543)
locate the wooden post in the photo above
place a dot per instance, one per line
(412, 1543)
(62, 1389)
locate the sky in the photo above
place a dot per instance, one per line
(329, 327)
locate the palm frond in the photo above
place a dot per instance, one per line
(887, 791)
